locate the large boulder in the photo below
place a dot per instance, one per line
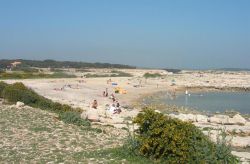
(19, 104)
(219, 119)
(240, 141)
(186, 117)
(173, 115)
(237, 120)
(201, 118)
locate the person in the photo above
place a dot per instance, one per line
(117, 109)
(117, 104)
(112, 97)
(104, 94)
(107, 94)
(95, 104)
(112, 108)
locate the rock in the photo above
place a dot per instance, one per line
(247, 124)
(219, 119)
(172, 115)
(244, 156)
(237, 120)
(19, 104)
(240, 142)
(201, 118)
(157, 111)
(91, 114)
(184, 117)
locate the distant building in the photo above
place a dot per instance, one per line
(15, 63)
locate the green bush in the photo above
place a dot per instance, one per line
(34, 75)
(19, 92)
(2, 86)
(175, 141)
(45, 104)
(151, 75)
(73, 118)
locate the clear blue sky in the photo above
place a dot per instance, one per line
(148, 33)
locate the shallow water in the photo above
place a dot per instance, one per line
(212, 101)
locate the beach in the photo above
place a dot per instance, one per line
(81, 92)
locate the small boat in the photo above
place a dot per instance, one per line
(186, 93)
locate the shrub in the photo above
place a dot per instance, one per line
(45, 104)
(19, 92)
(2, 86)
(73, 118)
(16, 92)
(151, 75)
(175, 141)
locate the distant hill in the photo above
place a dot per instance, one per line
(233, 69)
(4, 63)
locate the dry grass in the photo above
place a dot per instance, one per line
(31, 135)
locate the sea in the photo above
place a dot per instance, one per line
(211, 102)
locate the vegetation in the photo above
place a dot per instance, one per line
(152, 75)
(28, 75)
(119, 154)
(44, 139)
(25, 69)
(19, 92)
(114, 73)
(60, 64)
(173, 70)
(170, 140)
(73, 118)
(2, 86)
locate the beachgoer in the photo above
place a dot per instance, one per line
(112, 108)
(107, 94)
(117, 111)
(117, 104)
(104, 94)
(112, 97)
(95, 104)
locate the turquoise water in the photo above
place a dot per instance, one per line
(212, 101)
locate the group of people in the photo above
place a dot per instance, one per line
(114, 107)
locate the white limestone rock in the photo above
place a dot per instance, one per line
(20, 104)
(237, 120)
(219, 119)
(201, 118)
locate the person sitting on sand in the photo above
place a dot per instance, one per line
(117, 109)
(95, 104)
(117, 104)
(112, 108)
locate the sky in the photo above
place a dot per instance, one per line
(193, 34)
